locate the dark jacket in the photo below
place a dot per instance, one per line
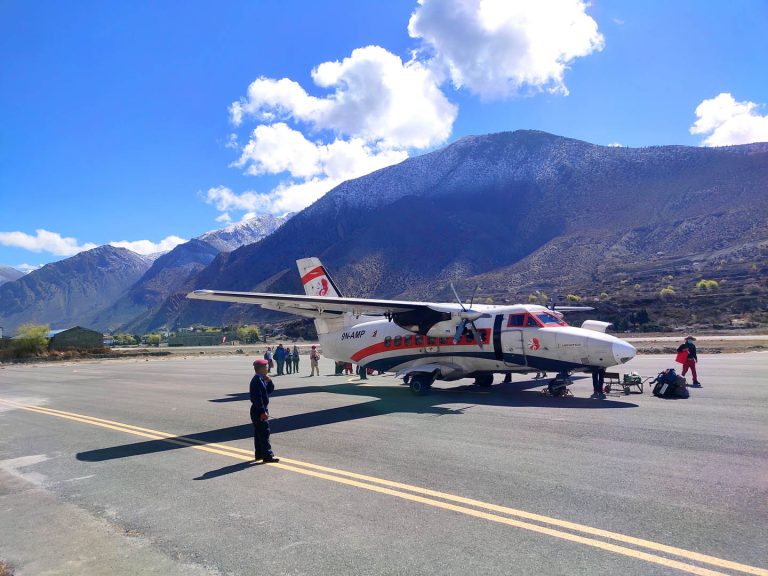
(691, 350)
(259, 394)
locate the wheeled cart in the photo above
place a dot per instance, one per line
(627, 382)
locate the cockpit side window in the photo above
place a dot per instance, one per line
(548, 319)
(516, 321)
(530, 321)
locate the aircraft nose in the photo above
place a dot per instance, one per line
(623, 352)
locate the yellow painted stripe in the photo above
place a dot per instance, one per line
(393, 489)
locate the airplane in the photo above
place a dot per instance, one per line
(422, 342)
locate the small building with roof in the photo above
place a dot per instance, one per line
(76, 337)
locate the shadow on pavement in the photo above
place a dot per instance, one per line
(388, 400)
(227, 470)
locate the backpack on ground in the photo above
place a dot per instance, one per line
(669, 385)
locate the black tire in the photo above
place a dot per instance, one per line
(420, 384)
(484, 380)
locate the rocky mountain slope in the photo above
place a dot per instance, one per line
(516, 211)
(70, 292)
(8, 274)
(161, 275)
(165, 275)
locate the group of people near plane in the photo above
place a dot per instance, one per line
(286, 360)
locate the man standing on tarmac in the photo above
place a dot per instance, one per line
(598, 381)
(280, 359)
(259, 390)
(690, 362)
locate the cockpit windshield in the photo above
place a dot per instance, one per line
(548, 319)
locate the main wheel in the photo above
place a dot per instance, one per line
(420, 384)
(484, 380)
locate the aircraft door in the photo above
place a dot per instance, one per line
(509, 341)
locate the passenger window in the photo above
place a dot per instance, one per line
(388, 341)
(431, 341)
(515, 321)
(469, 337)
(407, 340)
(531, 322)
(398, 341)
(418, 340)
(443, 341)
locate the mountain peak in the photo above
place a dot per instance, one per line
(242, 233)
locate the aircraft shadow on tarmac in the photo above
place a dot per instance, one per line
(388, 400)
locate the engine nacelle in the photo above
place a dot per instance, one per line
(444, 329)
(595, 325)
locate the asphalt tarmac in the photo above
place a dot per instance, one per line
(142, 467)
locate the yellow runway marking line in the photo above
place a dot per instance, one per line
(393, 489)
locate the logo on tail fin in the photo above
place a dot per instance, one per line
(315, 278)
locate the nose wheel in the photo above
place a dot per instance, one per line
(558, 386)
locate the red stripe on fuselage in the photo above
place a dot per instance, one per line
(312, 274)
(380, 347)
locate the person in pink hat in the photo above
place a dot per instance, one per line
(690, 361)
(259, 392)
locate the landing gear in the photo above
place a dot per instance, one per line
(558, 386)
(421, 383)
(484, 380)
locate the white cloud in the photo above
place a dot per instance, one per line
(27, 268)
(44, 241)
(149, 247)
(375, 96)
(278, 148)
(496, 48)
(616, 145)
(375, 108)
(54, 243)
(315, 169)
(729, 122)
(224, 217)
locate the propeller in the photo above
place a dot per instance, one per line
(467, 320)
(555, 306)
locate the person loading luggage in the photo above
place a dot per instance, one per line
(690, 361)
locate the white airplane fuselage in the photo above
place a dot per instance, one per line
(383, 345)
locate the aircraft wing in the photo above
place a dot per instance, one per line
(318, 306)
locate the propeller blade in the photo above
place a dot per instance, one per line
(472, 301)
(460, 330)
(457, 297)
(476, 334)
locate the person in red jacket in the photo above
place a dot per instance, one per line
(690, 361)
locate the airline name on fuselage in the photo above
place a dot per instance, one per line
(353, 334)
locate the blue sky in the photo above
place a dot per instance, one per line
(149, 123)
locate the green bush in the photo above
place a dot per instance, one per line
(573, 298)
(707, 285)
(30, 339)
(248, 334)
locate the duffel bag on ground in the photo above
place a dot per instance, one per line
(669, 385)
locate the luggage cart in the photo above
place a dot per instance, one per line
(627, 382)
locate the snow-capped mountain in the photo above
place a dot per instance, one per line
(243, 233)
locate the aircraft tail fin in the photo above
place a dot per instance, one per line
(315, 278)
(317, 282)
